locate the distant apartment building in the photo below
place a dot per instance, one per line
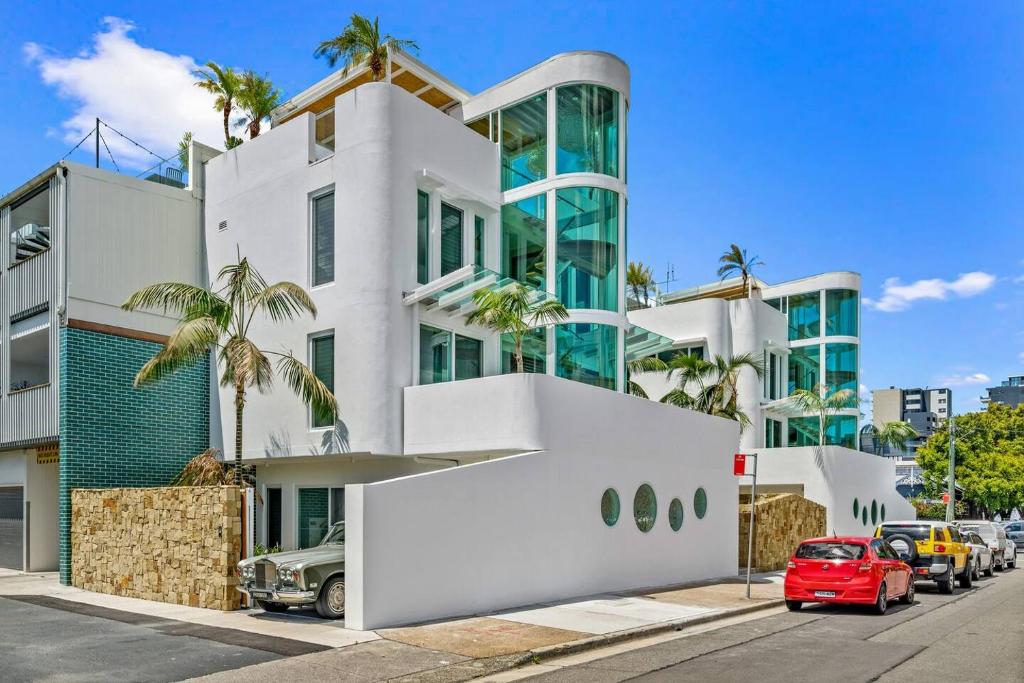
(1009, 392)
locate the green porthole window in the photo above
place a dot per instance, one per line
(856, 508)
(864, 515)
(610, 507)
(675, 514)
(874, 513)
(645, 508)
(700, 503)
(883, 512)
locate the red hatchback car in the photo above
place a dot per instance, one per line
(849, 570)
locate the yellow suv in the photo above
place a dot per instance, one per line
(935, 551)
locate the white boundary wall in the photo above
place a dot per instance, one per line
(528, 528)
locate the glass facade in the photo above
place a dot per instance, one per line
(841, 367)
(588, 255)
(535, 350)
(451, 238)
(588, 130)
(841, 306)
(478, 240)
(587, 352)
(842, 431)
(805, 316)
(803, 431)
(524, 142)
(468, 357)
(323, 239)
(322, 365)
(524, 240)
(805, 368)
(435, 355)
(422, 237)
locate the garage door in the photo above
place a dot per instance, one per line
(12, 512)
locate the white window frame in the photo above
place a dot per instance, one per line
(310, 364)
(311, 232)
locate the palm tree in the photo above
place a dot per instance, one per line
(640, 365)
(361, 42)
(515, 310)
(710, 386)
(735, 261)
(639, 279)
(823, 404)
(219, 320)
(257, 97)
(893, 434)
(225, 84)
(183, 145)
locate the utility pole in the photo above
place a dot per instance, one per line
(950, 480)
(97, 133)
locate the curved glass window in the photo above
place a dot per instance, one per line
(610, 507)
(803, 431)
(588, 353)
(588, 130)
(524, 142)
(587, 272)
(524, 240)
(675, 514)
(805, 316)
(856, 508)
(700, 503)
(804, 368)
(645, 508)
(841, 307)
(841, 367)
(842, 431)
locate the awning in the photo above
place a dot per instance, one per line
(641, 343)
(454, 292)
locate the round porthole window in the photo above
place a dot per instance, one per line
(883, 512)
(700, 503)
(610, 507)
(864, 515)
(856, 508)
(675, 514)
(645, 508)
(874, 513)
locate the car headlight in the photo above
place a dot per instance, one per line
(288, 575)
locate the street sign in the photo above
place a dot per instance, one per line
(739, 464)
(945, 498)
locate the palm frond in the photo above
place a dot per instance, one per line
(244, 283)
(308, 387)
(646, 364)
(285, 301)
(177, 297)
(204, 469)
(246, 365)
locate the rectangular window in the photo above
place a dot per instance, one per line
(479, 227)
(805, 316)
(323, 239)
(842, 431)
(30, 225)
(435, 355)
(524, 240)
(338, 504)
(451, 238)
(422, 237)
(468, 357)
(524, 148)
(803, 431)
(313, 516)
(322, 365)
(273, 535)
(588, 254)
(804, 368)
(30, 350)
(588, 353)
(671, 354)
(535, 350)
(772, 433)
(841, 307)
(841, 367)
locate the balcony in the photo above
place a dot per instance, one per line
(30, 225)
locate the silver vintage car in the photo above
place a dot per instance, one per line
(314, 576)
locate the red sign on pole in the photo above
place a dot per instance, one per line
(739, 464)
(945, 498)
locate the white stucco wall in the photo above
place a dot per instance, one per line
(528, 528)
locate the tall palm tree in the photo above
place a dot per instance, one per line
(257, 97)
(515, 310)
(218, 319)
(225, 84)
(639, 279)
(893, 434)
(183, 145)
(823, 404)
(736, 261)
(360, 42)
(710, 386)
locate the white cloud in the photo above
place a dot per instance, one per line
(897, 296)
(146, 94)
(1020, 356)
(964, 380)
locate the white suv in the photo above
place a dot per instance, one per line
(991, 533)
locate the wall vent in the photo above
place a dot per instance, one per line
(223, 225)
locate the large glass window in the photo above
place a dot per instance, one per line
(478, 240)
(805, 316)
(323, 239)
(535, 349)
(322, 364)
(524, 240)
(451, 238)
(422, 237)
(803, 431)
(842, 431)
(588, 130)
(30, 350)
(841, 367)
(468, 357)
(314, 516)
(587, 352)
(805, 368)
(588, 255)
(841, 312)
(524, 137)
(435, 355)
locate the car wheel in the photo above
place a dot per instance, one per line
(991, 570)
(946, 585)
(793, 605)
(882, 601)
(330, 604)
(965, 578)
(976, 570)
(1000, 565)
(272, 606)
(908, 597)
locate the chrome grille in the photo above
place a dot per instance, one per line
(266, 575)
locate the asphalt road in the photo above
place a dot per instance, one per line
(973, 635)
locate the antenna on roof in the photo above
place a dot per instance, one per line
(670, 275)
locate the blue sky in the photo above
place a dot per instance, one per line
(884, 138)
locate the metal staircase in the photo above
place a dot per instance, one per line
(29, 240)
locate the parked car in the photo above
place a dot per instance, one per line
(314, 576)
(1015, 532)
(982, 557)
(935, 551)
(1011, 554)
(849, 570)
(993, 534)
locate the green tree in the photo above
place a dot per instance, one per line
(224, 83)
(639, 279)
(515, 310)
(183, 146)
(361, 42)
(989, 464)
(735, 261)
(218, 320)
(895, 435)
(638, 366)
(823, 404)
(257, 97)
(710, 386)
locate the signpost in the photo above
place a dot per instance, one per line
(739, 469)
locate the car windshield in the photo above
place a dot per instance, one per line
(830, 551)
(336, 536)
(918, 532)
(986, 532)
